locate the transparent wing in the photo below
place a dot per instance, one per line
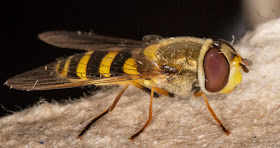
(151, 38)
(37, 79)
(50, 76)
(40, 79)
(87, 41)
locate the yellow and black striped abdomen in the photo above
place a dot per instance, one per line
(92, 65)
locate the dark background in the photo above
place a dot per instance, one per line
(20, 23)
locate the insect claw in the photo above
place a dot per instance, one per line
(131, 138)
(80, 137)
(225, 130)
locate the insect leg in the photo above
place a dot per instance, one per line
(163, 92)
(109, 109)
(197, 94)
(150, 116)
(156, 94)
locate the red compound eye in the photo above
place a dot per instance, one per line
(216, 68)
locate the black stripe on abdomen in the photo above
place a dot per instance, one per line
(73, 66)
(94, 63)
(61, 65)
(116, 68)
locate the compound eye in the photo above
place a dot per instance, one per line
(216, 68)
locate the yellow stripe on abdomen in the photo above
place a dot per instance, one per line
(129, 67)
(57, 66)
(82, 66)
(105, 65)
(66, 66)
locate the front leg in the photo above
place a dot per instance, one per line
(198, 94)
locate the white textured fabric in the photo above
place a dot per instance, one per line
(251, 112)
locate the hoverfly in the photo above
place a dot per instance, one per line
(171, 66)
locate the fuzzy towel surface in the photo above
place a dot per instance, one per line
(251, 112)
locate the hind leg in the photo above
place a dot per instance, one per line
(109, 109)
